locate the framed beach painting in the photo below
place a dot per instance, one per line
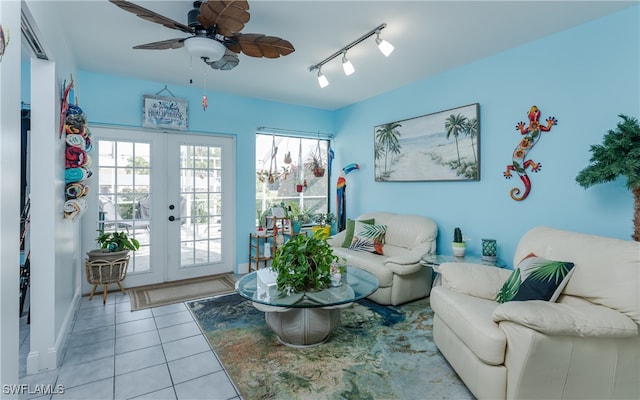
(164, 112)
(443, 146)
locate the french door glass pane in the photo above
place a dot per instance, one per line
(200, 191)
(125, 194)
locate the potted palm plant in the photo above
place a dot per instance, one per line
(618, 155)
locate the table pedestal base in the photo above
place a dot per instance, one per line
(301, 327)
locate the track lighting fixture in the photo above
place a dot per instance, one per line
(322, 80)
(346, 65)
(385, 47)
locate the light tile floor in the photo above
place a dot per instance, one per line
(114, 353)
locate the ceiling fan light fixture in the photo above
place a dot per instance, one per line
(322, 80)
(202, 47)
(385, 47)
(346, 65)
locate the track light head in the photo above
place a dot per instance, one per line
(346, 65)
(322, 80)
(385, 47)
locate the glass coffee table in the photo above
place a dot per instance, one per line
(306, 319)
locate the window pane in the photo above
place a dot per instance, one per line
(284, 173)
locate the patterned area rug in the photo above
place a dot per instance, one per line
(377, 352)
(179, 291)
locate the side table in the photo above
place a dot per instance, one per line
(434, 261)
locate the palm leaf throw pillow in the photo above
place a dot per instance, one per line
(536, 278)
(368, 237)
(351, 226)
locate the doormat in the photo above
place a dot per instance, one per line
(376, 352)
(179, 291)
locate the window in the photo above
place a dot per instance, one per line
(284, 164)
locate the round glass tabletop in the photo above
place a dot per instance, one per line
(354, 285)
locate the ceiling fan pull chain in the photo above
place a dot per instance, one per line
(205, 102)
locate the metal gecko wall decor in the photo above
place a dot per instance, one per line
(532, 134)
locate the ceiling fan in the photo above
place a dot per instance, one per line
(214, 27)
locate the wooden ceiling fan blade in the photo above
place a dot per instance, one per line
(259, 45)
(151, 16)
(228, 16)
(163, 44)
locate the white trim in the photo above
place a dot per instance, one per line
(10, 199)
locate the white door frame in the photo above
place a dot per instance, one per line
(159, 211)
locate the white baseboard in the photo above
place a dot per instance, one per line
(242, 268)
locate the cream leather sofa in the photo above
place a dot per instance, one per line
(399, 272)
(584, 346)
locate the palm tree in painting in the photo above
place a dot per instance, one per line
(454, 126)
(387, 135)
(471, 129)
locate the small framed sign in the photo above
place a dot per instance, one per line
(164, 112)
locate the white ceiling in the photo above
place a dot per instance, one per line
(429, 37)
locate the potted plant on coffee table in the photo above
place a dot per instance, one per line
(303, 264)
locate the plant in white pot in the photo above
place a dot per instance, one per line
(458, 245)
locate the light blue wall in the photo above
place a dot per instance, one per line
(585, 77)
(116, 100)
(25, 82)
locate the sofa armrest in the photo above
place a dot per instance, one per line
(473, 279)
(567, 320)
(404, 264)
(337, 239)
(404, 259)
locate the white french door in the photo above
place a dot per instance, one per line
(201, 183)
(174, 193)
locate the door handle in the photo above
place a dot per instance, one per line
(172, 218)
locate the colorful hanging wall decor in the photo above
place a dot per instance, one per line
(341, 196)
(77, 158)
(532, 134)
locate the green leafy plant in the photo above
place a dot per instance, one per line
(618, 155)
(303, 264)
(116, 241)
(324, 218)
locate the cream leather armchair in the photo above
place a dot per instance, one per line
(584, 346)
(402, 278)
